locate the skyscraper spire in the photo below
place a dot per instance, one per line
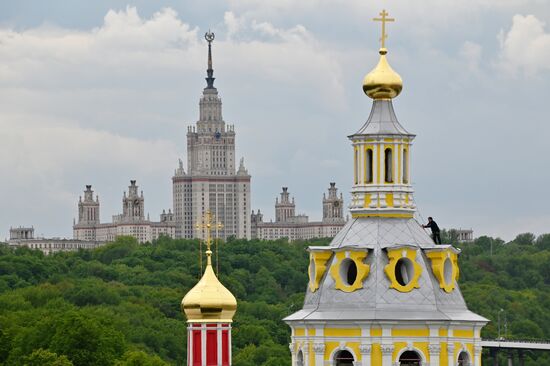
(209, 36)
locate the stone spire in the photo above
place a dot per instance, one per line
(209, 36)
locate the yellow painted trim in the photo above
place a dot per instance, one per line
(319, 259)
(376, 332)
(299, 332)
(410, 332)
(463, 333)
(394, 255)
(311, 354)
(443, 332)
(399, 164)
(368, 200)
(438, 260)
(389, 199)
(394, 215)
(443, 356)
(362, 270)
(311, 331)
(342, 332)
(376, 354)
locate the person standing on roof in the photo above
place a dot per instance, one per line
(435, 230)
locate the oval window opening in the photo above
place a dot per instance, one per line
(448, 271)
(404, 271)
(348, 271)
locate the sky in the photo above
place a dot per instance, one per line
(101, 92)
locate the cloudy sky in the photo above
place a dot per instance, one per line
(100, 92)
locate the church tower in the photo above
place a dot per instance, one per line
(209, 308)
(382, 293)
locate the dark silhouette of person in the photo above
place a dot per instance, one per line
(435, 230)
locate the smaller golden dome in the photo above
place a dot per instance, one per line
(382, 82)
(209, 300)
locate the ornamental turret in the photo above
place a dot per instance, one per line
(209, 308)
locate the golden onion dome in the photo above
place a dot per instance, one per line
(382, 82)
(209, 300)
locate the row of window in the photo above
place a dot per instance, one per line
(388, 164)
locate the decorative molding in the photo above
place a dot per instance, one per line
(365, 349)
(450, 348)
(387, 349)
(394, 255)
(434, 349)
(358, 257)
(319, 348)
(317, 268)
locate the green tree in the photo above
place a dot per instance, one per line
(85, 341)
(140, 358)
(42, 357)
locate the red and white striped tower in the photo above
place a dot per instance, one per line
(209, 308)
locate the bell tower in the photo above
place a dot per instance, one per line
(382, 293)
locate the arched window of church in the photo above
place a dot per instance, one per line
(405, 166)
(356, 166)
(300, 359)
(343, 358)
(388, 163)
(410, 358)
(463, 359)
(368, 166)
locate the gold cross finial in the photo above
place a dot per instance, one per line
(383, 19)
(207, 224)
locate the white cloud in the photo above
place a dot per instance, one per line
(105, 105)
(525, 47)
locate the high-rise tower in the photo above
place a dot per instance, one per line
(382, 293)
(209, 308)
(213, 181)
(333, 205)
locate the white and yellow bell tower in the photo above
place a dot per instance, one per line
(381, 148)
(382, 293)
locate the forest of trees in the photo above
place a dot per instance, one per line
(120, 304)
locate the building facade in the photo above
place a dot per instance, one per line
(24, 237)
(382, 293)
(213, 180)
(131, 222)
(298, 227)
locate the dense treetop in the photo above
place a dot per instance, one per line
(120, 304)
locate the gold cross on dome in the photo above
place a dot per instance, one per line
(383, 19)
(208, 223)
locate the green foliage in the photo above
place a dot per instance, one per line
(120, 304)
(42, 357)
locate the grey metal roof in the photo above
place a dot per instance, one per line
(376, 300)
(382, 121)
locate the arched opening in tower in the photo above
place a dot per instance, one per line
(410, 358)
(343, 358)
